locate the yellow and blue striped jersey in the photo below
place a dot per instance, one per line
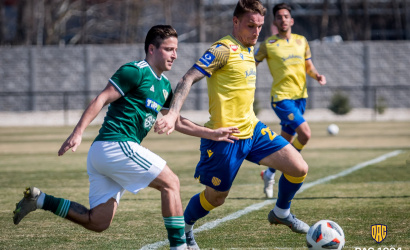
(231, 72)
(286, 61)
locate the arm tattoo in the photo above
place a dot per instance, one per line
(184, 86)
(78, 208)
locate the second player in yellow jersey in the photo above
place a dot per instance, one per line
(289, 60)
(286, 60)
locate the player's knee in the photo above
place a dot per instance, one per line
(302, 169)
(172, 183)
(308, 135)
(102, 227)
(218, 201)
(304, 138)
(98, 225)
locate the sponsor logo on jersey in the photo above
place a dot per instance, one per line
(165, 93)
(292, 56)
(272, 41)
(216, 181)
(151, 104)
(210, 153)
(207, 58)
(251, 72)
(241, 55)
(234, 47)
(379, 232)
(149, 121)
(152, 88)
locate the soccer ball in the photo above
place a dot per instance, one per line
(333, 129)
(325, 234)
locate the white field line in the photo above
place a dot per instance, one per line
(257, 206)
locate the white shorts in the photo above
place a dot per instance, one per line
(114, 167)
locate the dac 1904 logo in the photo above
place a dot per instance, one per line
(379, 232)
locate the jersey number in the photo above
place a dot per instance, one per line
(271, 134)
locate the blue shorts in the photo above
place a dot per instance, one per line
(220, 161)
(290, 113)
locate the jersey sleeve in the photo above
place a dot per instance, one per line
(126, 78)
(213, 59)
(261, 53)
(308, 54)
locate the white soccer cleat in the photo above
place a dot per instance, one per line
(27, 204)
(190, 241)
(268, 184)
(291, 221)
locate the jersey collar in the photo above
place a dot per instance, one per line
(153, 72)
(284, 39)
(236, 40)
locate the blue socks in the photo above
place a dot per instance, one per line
(288, 186)
(197, 208)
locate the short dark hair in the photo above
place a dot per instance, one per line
(157, 34)
(245, 6)
(281, 6)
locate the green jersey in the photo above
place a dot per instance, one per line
(144, 94)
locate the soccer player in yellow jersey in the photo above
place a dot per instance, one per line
(289, 59)
(230, 68)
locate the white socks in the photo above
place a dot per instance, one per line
(188, 227)
(281, 213)
(269, 174)
(40, 200)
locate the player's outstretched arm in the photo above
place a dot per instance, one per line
(166, 124)
(312, 72)
(188, 127)
(108, 95)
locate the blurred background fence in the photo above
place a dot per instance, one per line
(45, 78)
(58, 54)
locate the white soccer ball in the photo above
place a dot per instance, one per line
(325, 234)
(333, 129)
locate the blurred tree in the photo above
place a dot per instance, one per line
(61, 22)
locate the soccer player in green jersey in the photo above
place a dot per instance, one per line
(116, 161)
(289, 59)
(230, 68)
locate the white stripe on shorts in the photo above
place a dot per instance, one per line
(114, 167)
(133, 155)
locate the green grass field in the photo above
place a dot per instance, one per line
(376, 194)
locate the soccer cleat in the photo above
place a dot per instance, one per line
(27, 204)
(268, 184)
(291, 221)
(190, 241)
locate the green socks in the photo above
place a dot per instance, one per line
(175, 226)
(58, 206)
